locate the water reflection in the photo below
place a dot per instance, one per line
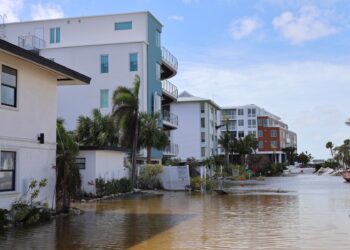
(313, 216)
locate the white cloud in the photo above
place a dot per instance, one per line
(176, 18)
(309, 24)
(46, 11)
(309, 95)
(11, 8)
(242, 27)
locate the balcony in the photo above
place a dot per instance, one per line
(170, 120)
(171, 150)
(170, 92)
(169, 64)
(31, 43)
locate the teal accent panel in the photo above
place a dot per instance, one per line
(104, 64)
(58, 35)
(133, 61)
(154, 56)
(52, 35)
(104, 93)
(123, 26)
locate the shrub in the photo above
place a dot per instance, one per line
(112, 186)
(149, 177)
(3, 217)
(125, 185)
(100, 186)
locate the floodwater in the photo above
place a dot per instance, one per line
(314, 214)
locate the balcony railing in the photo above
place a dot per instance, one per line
(31, 42)
(170, 118)
(169, 58)
(170, 88)
(171, 149)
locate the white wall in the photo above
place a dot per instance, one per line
(175, 177)
(106, 164)
(19, 128)
(187, 135)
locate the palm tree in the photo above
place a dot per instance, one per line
(99, 130)
(126, 112)
(225, 141)
(342, 153)
(329, 145)
(245, 146)
(68, 179)
(151, 136)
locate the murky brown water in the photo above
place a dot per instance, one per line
(314, 216)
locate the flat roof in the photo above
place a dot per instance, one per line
(69, 74)
(107, 148)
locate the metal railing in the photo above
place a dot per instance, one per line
(169, 58)
(31, 42)
(170, 117)
(170, 88)
(171, 149)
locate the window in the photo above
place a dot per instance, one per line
(158, 73)
(202, 122)
(81, 163)
(240, 134)
(104, 98)
(104, 64)
(133, 61)
(265, 122)
(240, 111)
(260, 133)
(251, 123)
(8, 86)
(202, 136)
(252, 133)
(158, 44)
(7, 170)
(251, 112)
(273, 133)
(261, 144)
(123, 26)
(55, 35)
(157, 102)
(240, 122)
(202, 108)
(260, 122)
(273, 144)
(203, 151)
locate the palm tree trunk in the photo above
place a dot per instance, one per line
(149, 150)
(134, 153)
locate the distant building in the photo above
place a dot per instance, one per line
(196, 134)
(28, 113)
(273, 135)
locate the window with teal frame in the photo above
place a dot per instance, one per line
(104, 64)
(55, 35)
(123, 26)
(104, 98)
(133, 62)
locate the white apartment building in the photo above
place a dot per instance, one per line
(28, 112)
(273, 135)
(111, 49)
(196, 134)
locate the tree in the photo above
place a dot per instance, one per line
(192, 165)
(151, 136)
(126, 112)
(68, 180)
(225, 141)
(329, 145)
(99, 130)
(290, 154)
(304, 158)
(245, 146)
(342, 153)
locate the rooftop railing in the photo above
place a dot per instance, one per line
(31, 42)
(169, 58)
(171, 149)
(170, 88)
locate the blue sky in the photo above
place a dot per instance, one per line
(291, 57)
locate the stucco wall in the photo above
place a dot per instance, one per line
(19, 128)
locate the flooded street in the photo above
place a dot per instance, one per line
(313, 215)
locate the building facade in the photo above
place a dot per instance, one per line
(28, 113)
(112, 49)
(196, 134)
(273, 135)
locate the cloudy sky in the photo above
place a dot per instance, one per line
(291, 57)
